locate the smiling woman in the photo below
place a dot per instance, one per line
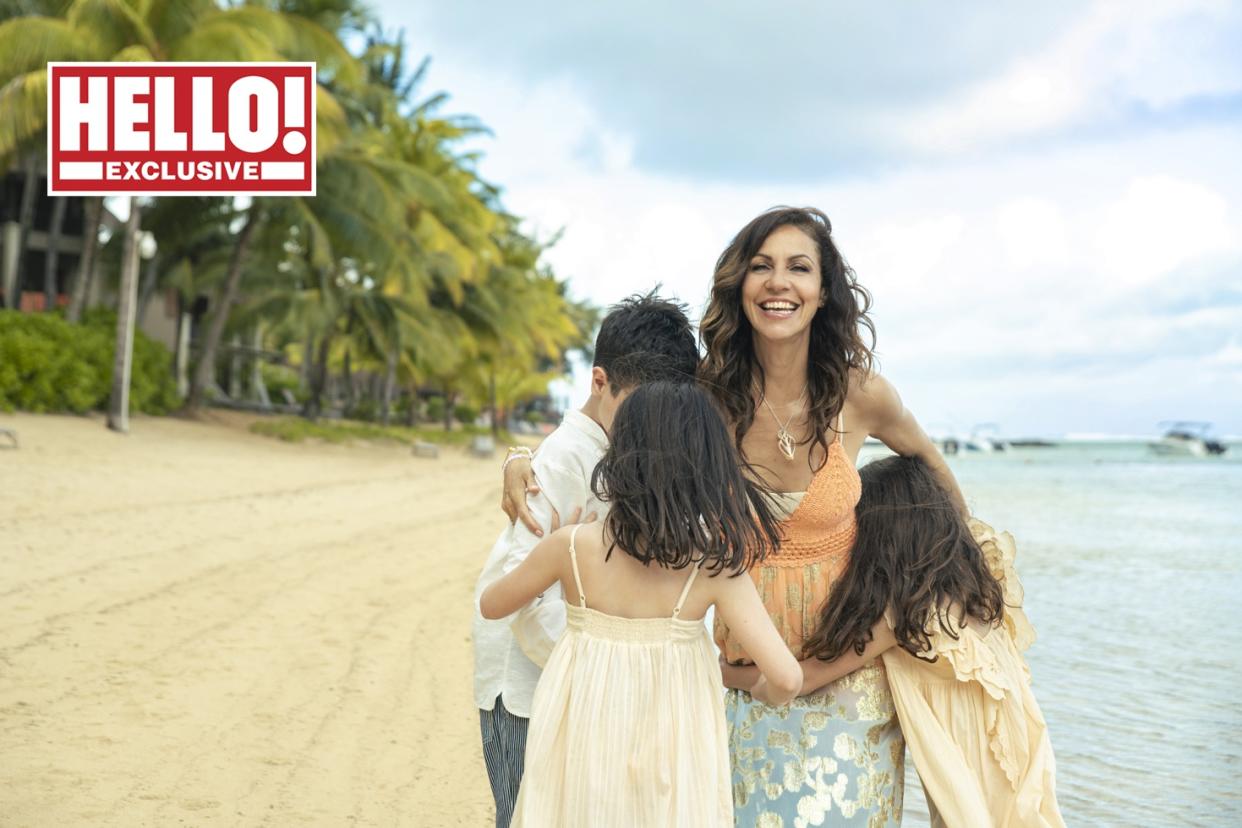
(785, 332)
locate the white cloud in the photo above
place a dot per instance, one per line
(1117, 55)
(1229, 358)
(1032, 232)
(1159, 224)
(910, 255)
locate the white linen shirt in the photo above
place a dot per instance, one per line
(509, 652)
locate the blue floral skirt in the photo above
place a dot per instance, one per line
(832, 759)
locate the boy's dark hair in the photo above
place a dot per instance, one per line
(914, 554)
(674, 482)
(645, 338)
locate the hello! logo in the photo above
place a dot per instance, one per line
(161, 129)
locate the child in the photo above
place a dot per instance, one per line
(627, 726)
(939, 599)
(643, 338)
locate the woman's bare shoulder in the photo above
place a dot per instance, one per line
(872, 398)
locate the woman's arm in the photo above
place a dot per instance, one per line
(541, 568)
(741, 609)
(888, 420)
(815, 672)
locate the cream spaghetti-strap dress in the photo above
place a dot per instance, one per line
(627, 725)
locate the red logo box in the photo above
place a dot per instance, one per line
(159, 129)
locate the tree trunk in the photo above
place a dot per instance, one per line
(308, 361)
(51, 286)
(491, 390)
(411, 415)
(258, 388)
(390, 384)
(235, 367)
(181, 362)
(118, 403)
(86, 263)
(308, 373)
(25, 221)
(347, 377)
(204, 373)
(150, 277)
(448, 409)
(319, 378)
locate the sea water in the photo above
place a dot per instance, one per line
(1132, 565)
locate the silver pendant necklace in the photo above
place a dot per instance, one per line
(784, 440)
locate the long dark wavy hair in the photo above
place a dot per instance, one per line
(675, 485)
(730, 369)
(914, 554)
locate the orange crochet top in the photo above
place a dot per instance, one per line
(817, 538)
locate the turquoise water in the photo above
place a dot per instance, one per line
(1133, 572)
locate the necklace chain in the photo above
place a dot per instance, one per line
(785, 440)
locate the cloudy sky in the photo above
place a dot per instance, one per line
(1045, 200)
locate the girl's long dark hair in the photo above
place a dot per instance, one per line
(674, 483)
(914, 554)
(838, 345)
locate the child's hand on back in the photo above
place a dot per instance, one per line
(574, 517)
(520, 485)
(738, 676)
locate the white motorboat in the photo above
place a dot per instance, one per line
(1187, 439)
(984, 438)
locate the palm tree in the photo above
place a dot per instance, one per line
(393, 218)
(207, 359)
(172, 30)
(404, 264)
(118, 403)
(51, 290)
(25, 214)
(87, 259)
(302, 30)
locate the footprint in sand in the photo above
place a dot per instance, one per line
(199, 804)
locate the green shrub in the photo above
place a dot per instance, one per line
(533, 417)
(278, 379)
(466, 414)
(49, 365)
(365, 409)
(435, 409)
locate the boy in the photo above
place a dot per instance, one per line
(642, 339)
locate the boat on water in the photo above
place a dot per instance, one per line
(985, 438)
(1185, 438)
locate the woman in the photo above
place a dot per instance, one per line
(787, 361)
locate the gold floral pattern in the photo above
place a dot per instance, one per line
(835, 758)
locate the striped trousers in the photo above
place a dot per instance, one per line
(504, 753)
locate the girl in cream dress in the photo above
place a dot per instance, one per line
(936, 597)
(627, 725)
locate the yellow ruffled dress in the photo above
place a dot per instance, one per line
(970, 719)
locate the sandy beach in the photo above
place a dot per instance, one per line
(202, 626)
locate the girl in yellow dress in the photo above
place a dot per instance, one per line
(627, 725)
(937, 598)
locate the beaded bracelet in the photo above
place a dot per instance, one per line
(515, 452)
